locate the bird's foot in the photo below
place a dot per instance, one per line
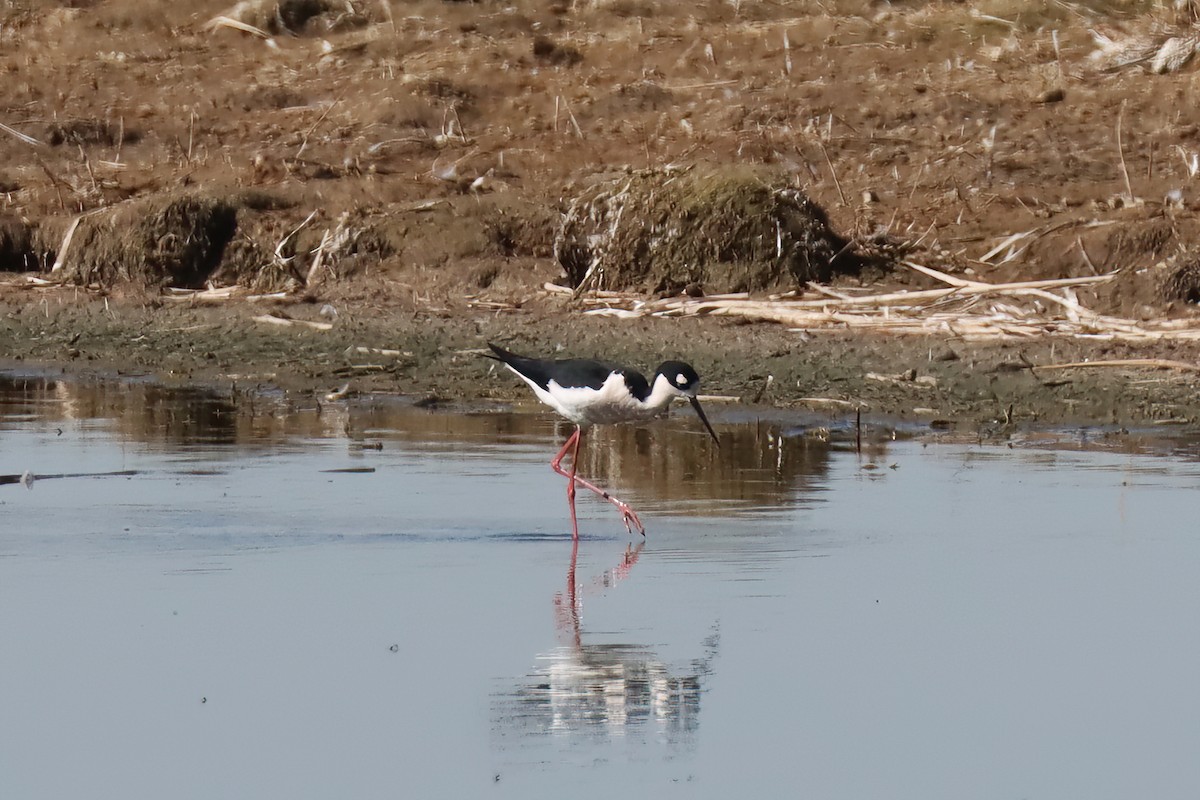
(630, 518)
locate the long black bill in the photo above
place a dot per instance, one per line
(700, 413)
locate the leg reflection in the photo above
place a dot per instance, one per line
(567, 604)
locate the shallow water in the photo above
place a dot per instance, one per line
(923, 620)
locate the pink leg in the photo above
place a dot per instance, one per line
(567, 607)
(555, 464)
(628, 515)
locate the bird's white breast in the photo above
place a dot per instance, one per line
(611, 403)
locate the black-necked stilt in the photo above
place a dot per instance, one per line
(596, 393)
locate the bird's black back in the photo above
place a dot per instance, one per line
(571, 372)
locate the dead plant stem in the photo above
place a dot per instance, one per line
(1121, 152)
(832, 172)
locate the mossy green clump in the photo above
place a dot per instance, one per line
(720, 230)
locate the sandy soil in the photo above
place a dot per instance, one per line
(448, 137)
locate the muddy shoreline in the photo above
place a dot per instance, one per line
(424, 173)
(422, 354)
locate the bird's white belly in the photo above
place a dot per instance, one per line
(610, 404)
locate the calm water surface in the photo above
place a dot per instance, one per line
(923, 620)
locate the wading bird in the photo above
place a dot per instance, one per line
(597, 393)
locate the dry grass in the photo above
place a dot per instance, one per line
(730, 229)
(944, 125)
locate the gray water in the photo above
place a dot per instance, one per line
(923, 620)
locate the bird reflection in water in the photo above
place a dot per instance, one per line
(567, 606)
(595, 692)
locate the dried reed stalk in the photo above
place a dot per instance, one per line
(1149, 363)
(968, 309)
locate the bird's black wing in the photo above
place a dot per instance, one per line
(570, 372)
(636, 382)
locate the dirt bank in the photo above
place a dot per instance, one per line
(431, 354)
(407, 169)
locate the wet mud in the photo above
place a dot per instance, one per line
(433, 358)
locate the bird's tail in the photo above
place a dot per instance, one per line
(502, 355)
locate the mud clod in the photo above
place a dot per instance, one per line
(726, 230)
(550, 52)
(291, 16)
(16, 245)
(1179, 278)
(90, 132)
(171, 241)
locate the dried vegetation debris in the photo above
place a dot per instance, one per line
(1160, 49)
(638, 96)
(294, 16)
(174, 240)
(458, 124)
(90, 131)
(716, 230)
(260, 241)
(1178, 277)
(969, 310)
(182, 241)
(355, 240)
(1137, 250)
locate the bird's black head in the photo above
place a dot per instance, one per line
(685, 381)
(681, 376)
